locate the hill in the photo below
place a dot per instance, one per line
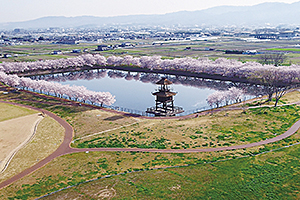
(272, 13)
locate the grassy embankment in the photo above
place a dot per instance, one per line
(10, 111)
(48, 137)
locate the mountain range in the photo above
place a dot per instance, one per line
(257, 15)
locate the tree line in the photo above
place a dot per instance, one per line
(276, 79)
(77, 93)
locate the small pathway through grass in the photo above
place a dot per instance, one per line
(108, 130)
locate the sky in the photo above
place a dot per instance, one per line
(23, 10)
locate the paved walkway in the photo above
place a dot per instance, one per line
(65, 148)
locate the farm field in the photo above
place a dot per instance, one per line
(166, 50)
(33, 52)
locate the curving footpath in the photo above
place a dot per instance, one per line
(65, 147)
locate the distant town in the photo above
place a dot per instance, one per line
(130, 37)
(74, 36)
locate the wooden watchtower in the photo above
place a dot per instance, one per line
(164, 103)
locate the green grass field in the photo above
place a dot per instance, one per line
(273, 175)
(218, 130)
(283, 49)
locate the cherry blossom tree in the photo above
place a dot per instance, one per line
(219, 97)
(274, 80)
(76, 92)
(216, 99)
(235, 94)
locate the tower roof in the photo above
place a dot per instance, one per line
(164, 94)
(164, 81)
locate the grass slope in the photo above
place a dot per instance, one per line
(14, 134)
(48, 137)
(10, 111)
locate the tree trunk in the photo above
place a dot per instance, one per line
(276, 102)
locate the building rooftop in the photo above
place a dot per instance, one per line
(164, 81)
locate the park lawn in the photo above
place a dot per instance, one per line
(75, 168)
(274, 175)
(279, 169)
(224, 128)
(291, 97)
(78, 167)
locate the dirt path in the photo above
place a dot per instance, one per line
(108, 130)
(65, 148)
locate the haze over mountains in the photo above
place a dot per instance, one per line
(258, 15)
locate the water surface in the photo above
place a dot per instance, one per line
(133, 90)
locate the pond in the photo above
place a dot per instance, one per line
(133, 90)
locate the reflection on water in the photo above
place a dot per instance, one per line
(133, 90)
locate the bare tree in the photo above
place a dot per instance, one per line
(280, 91)
(274, 83)
(272, 59)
